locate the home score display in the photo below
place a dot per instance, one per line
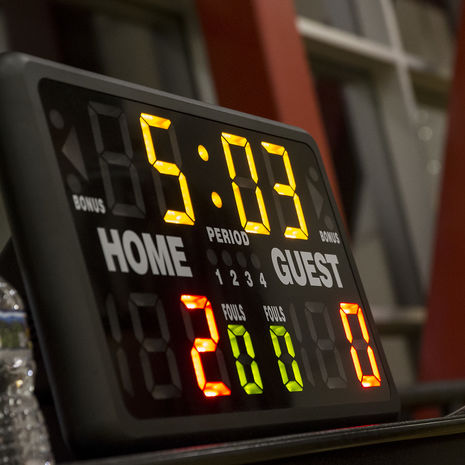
(219, 273)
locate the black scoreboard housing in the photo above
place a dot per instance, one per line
(59, 288)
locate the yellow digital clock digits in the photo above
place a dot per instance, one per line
(289, 191)
(187, 217)
(253, 227)
(163, 167)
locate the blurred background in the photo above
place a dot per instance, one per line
(369, 79)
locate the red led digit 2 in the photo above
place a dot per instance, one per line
(201, 345)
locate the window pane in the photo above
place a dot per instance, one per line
(331, 12)
(360, 17)
(143, 46)
(380, 241)
(432, 126)
(426, 30)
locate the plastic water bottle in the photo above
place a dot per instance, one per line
(23, 435)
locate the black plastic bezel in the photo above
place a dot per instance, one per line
(60, 292)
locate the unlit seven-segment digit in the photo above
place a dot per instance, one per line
(113, 160)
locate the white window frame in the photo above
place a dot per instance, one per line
(394, 73)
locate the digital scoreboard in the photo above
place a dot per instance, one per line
(188, 274)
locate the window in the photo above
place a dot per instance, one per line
(382, 87)
(151, 42)
(156, 44)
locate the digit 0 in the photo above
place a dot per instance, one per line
(245, 360)
(287, 190)
(286, 360)
(354, 310)
(171, 169)
(254, 227)
(202, 345)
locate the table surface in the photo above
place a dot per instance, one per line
(423, 442)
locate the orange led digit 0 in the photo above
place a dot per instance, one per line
(367, 381)
(289, 190)
(171, 169)
(201, 345)
(253, 227)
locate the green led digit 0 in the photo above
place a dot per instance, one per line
(250, 387)
(277, 332)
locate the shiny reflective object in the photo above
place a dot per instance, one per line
(23, 435)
